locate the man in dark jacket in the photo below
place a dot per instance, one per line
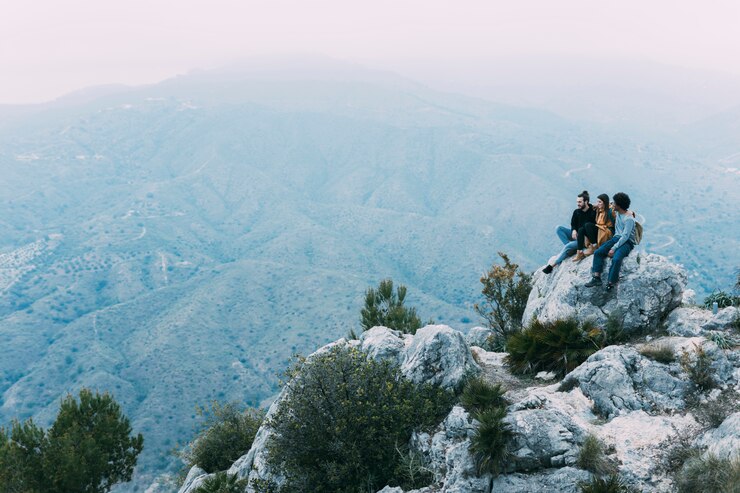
(583, 214)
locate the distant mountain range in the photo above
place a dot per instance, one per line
(165, 242)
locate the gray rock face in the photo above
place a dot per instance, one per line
(477, 336)
(384, 343)
(563, 480)
(543, 438)
(619, 379)
(690, 322)
(649, 288)
(193, 480)
(447, 452)
(438, 355)
(723, 441)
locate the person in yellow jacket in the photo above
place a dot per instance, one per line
(592, 235)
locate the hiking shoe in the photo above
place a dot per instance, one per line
(610, 286)
(547, 269)
(595, 281)
(579, 256)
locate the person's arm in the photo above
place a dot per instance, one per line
(629, 225)
(574, 225)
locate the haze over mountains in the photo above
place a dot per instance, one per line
(176, 243)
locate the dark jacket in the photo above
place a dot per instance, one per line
(582, 217)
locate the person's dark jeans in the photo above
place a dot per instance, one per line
(600, 256)
(590, 231)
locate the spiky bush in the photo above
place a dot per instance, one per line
(592, 457)
(385, 307)
(505, 291)
(660, 352)
(709, 474)
(490, 442)
(723, 340)
(343, 416)
(479, 394)
(227, 433)
(610, 484)
(699, 368)
(722, 298)
(222, 483)
(558, 346)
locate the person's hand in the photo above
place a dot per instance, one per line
(611, 253)
(574, 235)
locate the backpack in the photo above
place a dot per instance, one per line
(638, 232)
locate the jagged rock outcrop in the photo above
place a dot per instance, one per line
(692, 321)
(563, 480)
(723, 441)
(620, 379)
(650, 287)
(194, 479)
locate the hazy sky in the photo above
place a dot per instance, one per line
(48, 48)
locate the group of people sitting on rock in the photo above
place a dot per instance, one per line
(603, 230)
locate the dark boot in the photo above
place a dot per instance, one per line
(547, 269)
(595, 281)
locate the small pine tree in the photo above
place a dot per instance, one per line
(89, 448)
(506, 290)
(385, 307)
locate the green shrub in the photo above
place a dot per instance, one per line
(592, 457)
(558, 346)
(610, 484)
(89, 448)
(699, 368)
(505, 291)
(709, 474)
(722, 298)
(723, 340)
(222, 483)
(490, 443)
(227, 433)
(343, 416)
(712, 413)
(495, 343)
(411, 471)
(661, 352)
(479, 394)
(384, 307)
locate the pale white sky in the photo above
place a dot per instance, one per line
(51, 47)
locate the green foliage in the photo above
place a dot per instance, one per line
(558, 346)
(385, 307)
(479, 394)
(505, 291)
(222, 483)
(723, 340)
(660, 352)
(411, 472)
(592, 457)
(722, 298)
(87, 449)
(491, 440)
(712, 413)
(709, 473)
(610, 484)
(699, 368)
(342, 418)
(227, 434)
(264, 486)
(495, 343)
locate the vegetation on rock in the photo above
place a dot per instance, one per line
(385, 307)
(505, 290)
(702, 474)
(342, 418)
(227, 433)
(592, 457)
(222, 483)
(661, 352)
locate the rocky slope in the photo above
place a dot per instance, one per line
(638, 407)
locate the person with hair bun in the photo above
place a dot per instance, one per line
(583, 214)
(597, 233)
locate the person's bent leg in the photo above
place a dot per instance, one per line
(564, 234)
(619, 256)
(600, 256)
(591, 232)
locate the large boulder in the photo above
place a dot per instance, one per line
(563, 480)
(438, 355)
(692, 321)
(478, 336)
(193, 480)
(619, 379)
(649, 288)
